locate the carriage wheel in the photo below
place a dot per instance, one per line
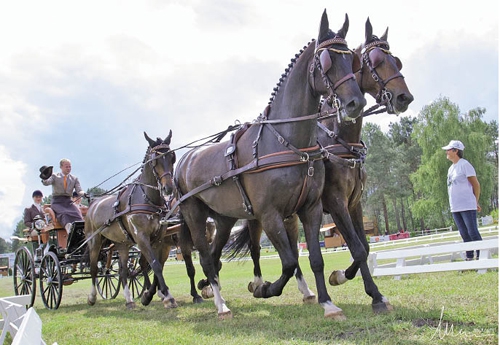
(51, 281)
(108, 281)
(24, 274)
(136, 274)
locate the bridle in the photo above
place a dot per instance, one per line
(155, 154)
(384, 96)
(323, 62)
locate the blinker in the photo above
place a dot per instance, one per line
(325, 60)
(376, 57)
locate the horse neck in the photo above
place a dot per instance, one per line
(147, 178)
(295, 98)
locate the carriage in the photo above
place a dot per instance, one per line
(52, 259)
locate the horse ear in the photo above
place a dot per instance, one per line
(343, 31)
(384, 36)
(368, 30)
(151, 142)
(168, 138)
(324, 27)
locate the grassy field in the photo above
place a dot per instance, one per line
(444, 308)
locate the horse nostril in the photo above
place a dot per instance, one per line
(405, 98)
(355, 106)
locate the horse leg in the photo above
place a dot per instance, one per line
(150, 287)
(123, 253)
(186, 246)
(254, 230)
(311, 220)
(157, 267)
(223, 226)
(338, 209)
(277, 234)
(94, 248)
(379, 302)
(195, 214)
(291, 225)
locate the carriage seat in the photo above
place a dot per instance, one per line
(55, 223)
(44, 234)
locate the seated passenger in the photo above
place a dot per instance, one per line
(35, 210)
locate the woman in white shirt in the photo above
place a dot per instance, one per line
(463, 193)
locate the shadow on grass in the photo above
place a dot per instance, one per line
(275, 322)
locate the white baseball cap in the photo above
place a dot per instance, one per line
(454, 144)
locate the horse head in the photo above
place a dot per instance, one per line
(332, 51)
(161, 160)
(380, 75)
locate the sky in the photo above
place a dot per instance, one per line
(84, 79)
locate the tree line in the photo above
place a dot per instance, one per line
(407, 169)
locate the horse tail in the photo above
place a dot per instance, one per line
(239, 247)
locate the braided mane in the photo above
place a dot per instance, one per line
(287, 71)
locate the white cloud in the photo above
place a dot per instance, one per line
(12, 190)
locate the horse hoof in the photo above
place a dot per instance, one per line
(170, 303)
(130, 305)
(251, 287)
(202, 283)
(309, 299)
(261, 290)
(198, 300)
(207, 292)
(382, 307)
(226, 315)
(336, 316)
(337, 278)
(146, 299)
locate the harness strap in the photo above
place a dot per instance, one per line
(271, 161)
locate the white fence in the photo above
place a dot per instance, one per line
(434, 257)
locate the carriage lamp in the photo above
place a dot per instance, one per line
(39, 224)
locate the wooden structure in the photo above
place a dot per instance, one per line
(371, 226)
(333, 238)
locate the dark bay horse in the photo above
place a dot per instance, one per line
(273, 167)
(379, 75)
(132, 217)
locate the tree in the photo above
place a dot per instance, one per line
(19, 233)
(379, 168)
(4, 246)
(407, 160)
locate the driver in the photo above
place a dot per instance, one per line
(63, 185)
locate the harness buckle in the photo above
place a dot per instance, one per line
(304, 157)
(217, 181)
(310, 171)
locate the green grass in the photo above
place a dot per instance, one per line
(440, 308)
